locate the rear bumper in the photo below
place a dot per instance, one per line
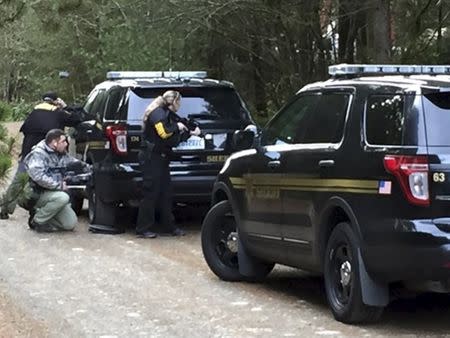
(421, 252)
(126, 188)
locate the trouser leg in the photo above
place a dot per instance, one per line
(165, 200)
(146, 213)
(49, 204)
(65, 219)
(9, 198)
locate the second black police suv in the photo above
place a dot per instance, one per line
(112, 139)
(350, 179)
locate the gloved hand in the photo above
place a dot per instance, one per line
(196, 131)
(181, 126)
(60, 103)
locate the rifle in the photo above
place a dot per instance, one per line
(191, 124)
(74, 175)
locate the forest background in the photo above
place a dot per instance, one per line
(268, 48)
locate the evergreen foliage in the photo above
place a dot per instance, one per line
(268, 48)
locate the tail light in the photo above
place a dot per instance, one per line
(117, 135)
(412, 174)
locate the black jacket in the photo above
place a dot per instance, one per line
(43, 118)
(161, 129)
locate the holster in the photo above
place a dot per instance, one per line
(145, 154)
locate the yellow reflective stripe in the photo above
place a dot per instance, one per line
(161, 131)
(45, 106)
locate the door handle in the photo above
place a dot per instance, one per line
(273, 164)
(326, 163)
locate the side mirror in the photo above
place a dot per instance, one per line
(243, 139)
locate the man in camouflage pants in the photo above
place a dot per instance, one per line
(43, 165)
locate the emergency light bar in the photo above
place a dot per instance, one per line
(121, 75)
(366, 69)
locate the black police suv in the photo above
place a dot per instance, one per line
(111, 139)
(351, 179)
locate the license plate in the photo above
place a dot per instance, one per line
(216, 158)
(192, 143)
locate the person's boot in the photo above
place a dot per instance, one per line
(146, 234)
(178, 232)
(44, 227)
(30, 219)
(4, 215)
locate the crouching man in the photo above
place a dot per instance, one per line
(45, 166)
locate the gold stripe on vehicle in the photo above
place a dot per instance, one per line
(305, 184)
(237, 180)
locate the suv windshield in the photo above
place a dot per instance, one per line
(437, 118)
(197, 102)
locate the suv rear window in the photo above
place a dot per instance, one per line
(197, 102)
(436, 107)
(394, 120)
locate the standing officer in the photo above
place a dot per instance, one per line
(49, 114)
(161, 133)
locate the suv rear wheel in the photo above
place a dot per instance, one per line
(220, 245)
(342, 278)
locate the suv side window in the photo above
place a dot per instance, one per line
(113, 103)
(394, 120)
(283, 128)
(385, 117)
(326, 123)
(311, 118)
(98, 105)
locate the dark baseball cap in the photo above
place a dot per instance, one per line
(49, 96)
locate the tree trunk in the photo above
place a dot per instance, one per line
(381, 32)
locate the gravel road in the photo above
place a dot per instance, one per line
(80, 284)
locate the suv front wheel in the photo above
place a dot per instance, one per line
(342, 278)
(220, 245)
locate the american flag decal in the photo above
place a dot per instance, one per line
(384, 187)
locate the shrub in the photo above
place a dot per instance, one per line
(3, 133)
(20, 110)
(5, 164)
(6, 111)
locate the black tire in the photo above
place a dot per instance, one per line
(219, 245)
(100, 212)
(342, 279)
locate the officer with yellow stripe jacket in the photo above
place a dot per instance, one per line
(161, 133)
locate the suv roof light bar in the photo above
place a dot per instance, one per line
(121, 75)
(367, 69)
(185, 74)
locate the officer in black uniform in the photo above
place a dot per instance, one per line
(50, 114)
(161, 133)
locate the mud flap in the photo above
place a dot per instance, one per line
(373, 293)
(249, 266)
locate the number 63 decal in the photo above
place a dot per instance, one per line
(438, 177)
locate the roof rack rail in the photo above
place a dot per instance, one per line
(354, 70)
(120, 75)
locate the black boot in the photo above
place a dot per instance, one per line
(4, 215)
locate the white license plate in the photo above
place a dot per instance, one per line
(192, 143)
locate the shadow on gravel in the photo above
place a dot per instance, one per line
(422, 314)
